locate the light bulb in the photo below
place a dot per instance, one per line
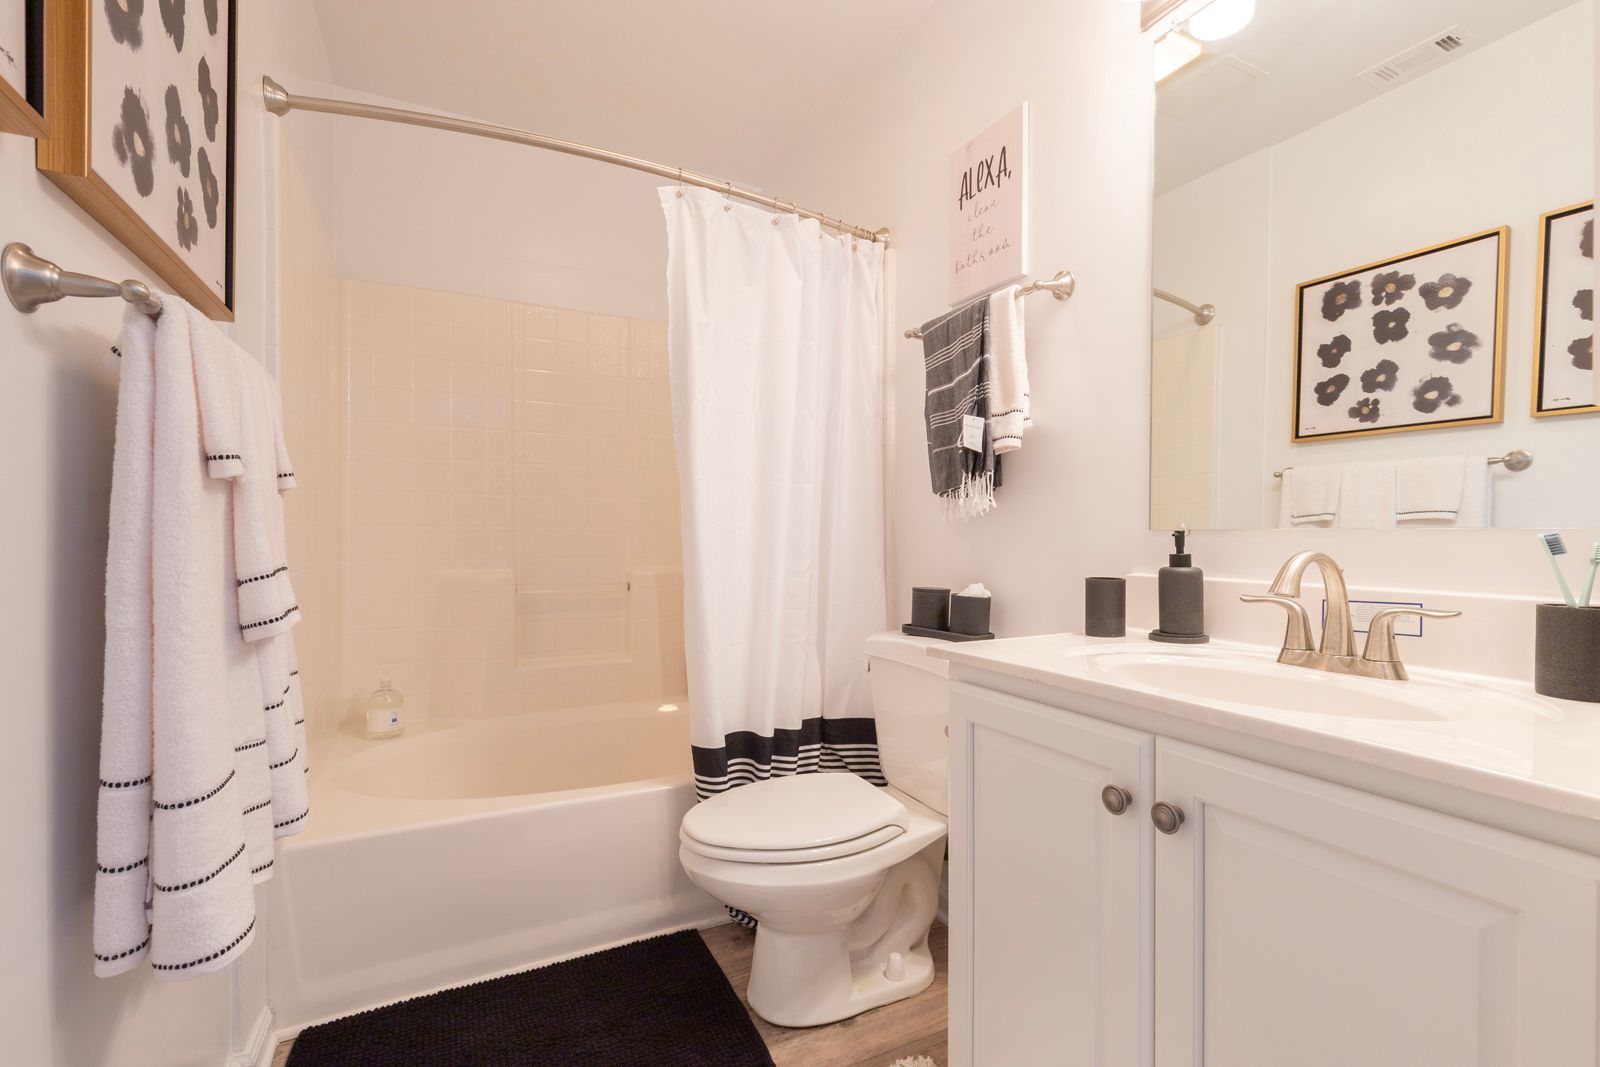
(1221, 18)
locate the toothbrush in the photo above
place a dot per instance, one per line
(1554, 546)
(1594, 565)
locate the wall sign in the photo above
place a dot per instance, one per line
(988, 194)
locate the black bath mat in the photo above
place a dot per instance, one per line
(662, 1002)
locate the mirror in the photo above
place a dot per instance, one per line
(1374, 269)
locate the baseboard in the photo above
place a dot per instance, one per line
(259, 1047)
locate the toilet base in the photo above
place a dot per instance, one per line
(813, 976)
(795, 980)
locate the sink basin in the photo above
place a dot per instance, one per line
(1225, 677)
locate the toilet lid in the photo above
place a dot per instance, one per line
(801, 811)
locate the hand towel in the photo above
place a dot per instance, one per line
(202, 910)
(1311, 495)
(238, 404)
(1429, 488)
(955, 348)
(122, 846)
(1367, 496)
(1011, 411)
(1426, 488)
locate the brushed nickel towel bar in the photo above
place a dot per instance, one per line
(31, 280)
(1060, 287)
(1517, 459)
(1203, 313)
(280, 101)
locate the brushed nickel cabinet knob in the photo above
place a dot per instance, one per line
(1116, 799)
(1166, 817)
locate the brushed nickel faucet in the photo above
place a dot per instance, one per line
(1335, 653)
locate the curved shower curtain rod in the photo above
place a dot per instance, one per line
(1203, 313)
(280, 101)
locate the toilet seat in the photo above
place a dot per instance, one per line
(796, 819)
(793, 855)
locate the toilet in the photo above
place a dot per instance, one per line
(842, 875)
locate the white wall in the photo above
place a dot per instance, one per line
(435, 210)
(56, 418)
(1494, 138)
(1077, 489)
(1074, 503)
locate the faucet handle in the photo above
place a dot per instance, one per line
(1380, 635)
(1297, 634)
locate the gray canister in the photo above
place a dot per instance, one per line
(930, 607)
(969, 615)
(1105, 607)
(1566, 652)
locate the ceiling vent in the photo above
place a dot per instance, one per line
(1418, 58)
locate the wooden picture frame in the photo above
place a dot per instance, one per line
(93, 169)
(1409, 358)
(22, 98)
(1562, 385)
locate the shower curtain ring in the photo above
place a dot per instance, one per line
(680, 183)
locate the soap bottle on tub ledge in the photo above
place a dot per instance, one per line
(385, 711)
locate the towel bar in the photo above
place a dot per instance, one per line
(1060, 287)
(31, 280)
(1516, 460)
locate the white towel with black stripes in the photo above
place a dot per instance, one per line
(184, 900)
(1010, 408)
(239, 405)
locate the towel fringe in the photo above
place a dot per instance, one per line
(972, 498)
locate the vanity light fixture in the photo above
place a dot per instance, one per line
(668, 707)
(1173, 52)
(1221, 18)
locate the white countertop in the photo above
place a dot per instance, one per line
(1499, 738)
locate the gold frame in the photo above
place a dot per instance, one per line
(66, 157)
(1538, 317)
(1502, 284)
(16, 114)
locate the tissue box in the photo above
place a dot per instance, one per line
(969, 615)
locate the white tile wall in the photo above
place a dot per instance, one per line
(513, 540)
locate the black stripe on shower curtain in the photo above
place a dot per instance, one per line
(818, 745)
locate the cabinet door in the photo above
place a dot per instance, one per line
(1299, 922)
(1049, 892)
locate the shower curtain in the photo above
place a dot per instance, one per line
(775, 340)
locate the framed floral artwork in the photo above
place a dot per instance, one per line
(1563, 345)
(140, 132)
(1416, 342)
(22, 67)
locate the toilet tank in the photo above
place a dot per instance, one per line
(911, 701)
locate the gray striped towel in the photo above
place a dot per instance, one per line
(955, 359)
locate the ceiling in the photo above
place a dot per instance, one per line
(720, 86)
(1310, 52)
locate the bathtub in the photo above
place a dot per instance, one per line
(469, 849)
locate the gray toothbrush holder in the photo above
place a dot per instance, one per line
(1105, 607)
(1566, 652)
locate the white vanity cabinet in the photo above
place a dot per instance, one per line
(1285, 920)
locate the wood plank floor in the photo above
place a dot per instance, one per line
(913, 1027)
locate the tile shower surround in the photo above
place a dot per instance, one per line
(511, 541)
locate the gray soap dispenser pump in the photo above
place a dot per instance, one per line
(1181, 590)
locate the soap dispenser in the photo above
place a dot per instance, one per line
(385, 708)
(1181, 591)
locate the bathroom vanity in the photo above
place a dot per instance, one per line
(1152, 862)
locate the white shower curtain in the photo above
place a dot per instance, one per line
(776, 336)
